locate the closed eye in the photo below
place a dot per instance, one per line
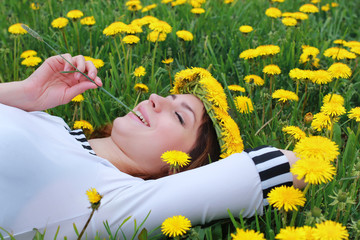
(181, 120)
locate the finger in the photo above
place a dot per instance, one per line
(91, 69)
(80, 65)
(78, 89)
(67, 66)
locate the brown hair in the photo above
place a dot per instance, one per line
(206, 147)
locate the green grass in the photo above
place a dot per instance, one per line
(216, 46)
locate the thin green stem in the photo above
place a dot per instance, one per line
(64, 36)
(153, 67)
(77, 35)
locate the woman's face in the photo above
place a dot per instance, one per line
(169, 123)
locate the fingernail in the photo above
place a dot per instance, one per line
(92, 75)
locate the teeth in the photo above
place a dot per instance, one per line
(141, 117)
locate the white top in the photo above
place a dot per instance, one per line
(45, 173)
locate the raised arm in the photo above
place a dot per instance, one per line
(47, 87)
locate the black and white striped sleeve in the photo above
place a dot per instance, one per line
(273, 168)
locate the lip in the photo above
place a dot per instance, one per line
(143, 113)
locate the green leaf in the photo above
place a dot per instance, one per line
(143, 234)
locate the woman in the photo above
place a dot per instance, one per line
(45, 168)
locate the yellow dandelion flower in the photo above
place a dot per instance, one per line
(133, 29)
(166, 1)
(273, 12)
(285, 95)
(339, 41)
(28, 53)
(300, 16)
(321, 121)
(93, 196)
(236, 88)
(291, 233)
(185, 35)
(355, 50)
(78, 98)
(289, 21)
(178, 2)
(17, 29)
(264, 50)
(313, 170)
(351, 44)
(134, 5)
(280, 1)
(321, 77)
(354, 113)
(60, 22)
(308, 117)
(75, 14)
(329, 230)
(287, 198)
(175, 226)
(335, 98)
(156, 36)
(140, 87)
(160, 26)
(149, 7)
(243, 104)
(233, 142)
(309, 232)
(31, 61)
(197, 11)
(35, 6)
(258, 81)
(337, 53)
(300, 74)
(318, 147)
(340, 70)
(309, 8)
(168, 61)
(84, 125)
(131, 39)
(195, 3)
(315, 1)
(325, 8)
(115, 28)
(98, 63)
(334, 4)
(139, 71)
(176, 158)
(246, 29)
(228, 1)
(333, 109)
(148, 19)
(272, 69)
(309, 50)
(242, 234)
(249, 54)
(294, 131)
(89, 21)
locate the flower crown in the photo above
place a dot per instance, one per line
(202, 84)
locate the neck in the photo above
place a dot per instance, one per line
(107, 149)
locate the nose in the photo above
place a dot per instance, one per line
(157, 102)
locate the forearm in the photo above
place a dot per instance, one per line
(14, 94)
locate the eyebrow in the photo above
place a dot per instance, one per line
(185, 105)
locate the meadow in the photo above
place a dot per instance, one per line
(289, 69)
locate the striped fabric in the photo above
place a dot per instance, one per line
(273, 168)
(80, 136)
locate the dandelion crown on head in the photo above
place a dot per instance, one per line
(202, 84)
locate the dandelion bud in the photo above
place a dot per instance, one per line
(316, 212)
(342, 196)
(308, 118)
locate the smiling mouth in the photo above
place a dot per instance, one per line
(141, 117)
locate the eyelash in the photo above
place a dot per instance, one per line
(181, 120)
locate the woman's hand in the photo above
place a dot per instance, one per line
(47, 87)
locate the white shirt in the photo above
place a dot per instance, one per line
(45, 173)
